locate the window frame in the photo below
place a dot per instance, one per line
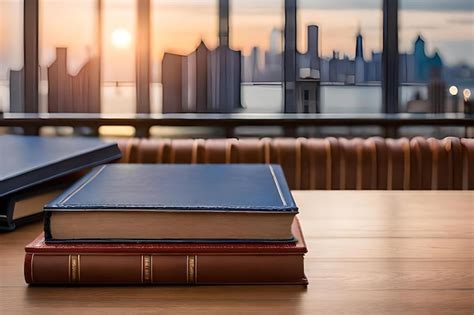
(390, 75)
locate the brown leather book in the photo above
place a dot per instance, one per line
(166, 263)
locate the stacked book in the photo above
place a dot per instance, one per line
(34, 170)
(171, 224)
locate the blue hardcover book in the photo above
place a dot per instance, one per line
(33, 170)
(143, 203)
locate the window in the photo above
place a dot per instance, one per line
(228, 56)
(118, 56)
(11, 55)
(68, 56)
(184, 33)
(436, 55)
(256, 30)
(339, 53)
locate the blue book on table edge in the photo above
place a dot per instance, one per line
(29, 162)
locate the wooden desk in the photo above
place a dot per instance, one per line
(370, 252)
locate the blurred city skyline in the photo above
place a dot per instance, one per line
(446, 27)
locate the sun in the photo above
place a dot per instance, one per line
(121, 38)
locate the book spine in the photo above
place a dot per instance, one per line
(106, 269)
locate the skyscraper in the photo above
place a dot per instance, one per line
(313, 51)
(425, 65)
(420, 59)
(359, 46)
(359, 60)
(225, 69)
(72, 94)
(224, 77)
(290, 57)
(309, 75)
(203, 81)
(308, 63)
(185, 81)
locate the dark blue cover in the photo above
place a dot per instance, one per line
(179, 187)
(28, 160)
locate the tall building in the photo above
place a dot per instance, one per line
(203, 81)
(333, 67)
(185, 81)
(424, 64)
(313, 46)
(173, 82)
(374, 67)
(309, 75)
(72, 94)
(290, 64)
(308, 63)
(359, 62)
(420, 60)
(223, 22)
(224, 77)
(17, 91)
(359, 53)
(67, 93)
(224, 69)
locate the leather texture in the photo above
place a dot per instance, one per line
(330, 163)
(219, 187)
(116, 268)
(29, 160)
(164, 263)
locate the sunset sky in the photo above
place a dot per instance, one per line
(179, 25)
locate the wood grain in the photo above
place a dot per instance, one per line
(370, 252)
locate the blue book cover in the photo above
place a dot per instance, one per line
(27, 162)
(168, 191)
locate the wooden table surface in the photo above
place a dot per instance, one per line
(370, 252)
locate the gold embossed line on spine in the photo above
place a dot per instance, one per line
(146, 269)
(69, 268)
(74, 268)
(31, 268)
(191, 269)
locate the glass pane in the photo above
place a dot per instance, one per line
(68, 53)
(256, 29)
(118, 56)
(11, 54)
(340, 52)
(178, 29)
(436, 55)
